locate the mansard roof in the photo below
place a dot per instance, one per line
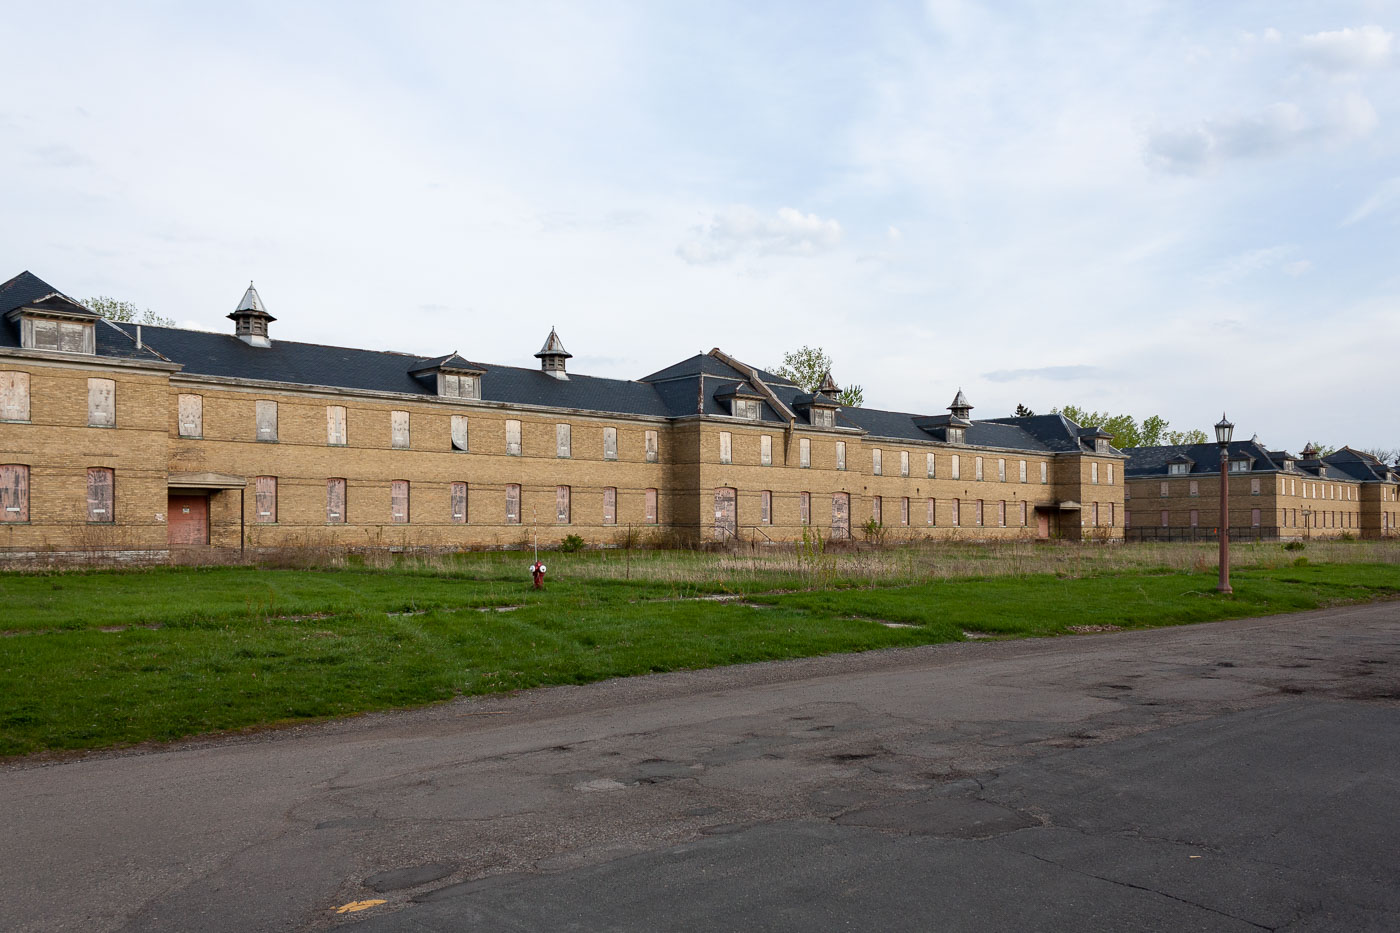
(1360, 465)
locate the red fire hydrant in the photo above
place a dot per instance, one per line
(537, 572)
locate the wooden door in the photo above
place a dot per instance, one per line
(188, 520)
(840, 515)
(726, 513)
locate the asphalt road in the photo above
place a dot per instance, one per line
(1232, 776)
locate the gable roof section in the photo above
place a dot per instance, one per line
(1358, 465)
(1205, 458)
(21, 290)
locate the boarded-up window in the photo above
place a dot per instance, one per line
(513, 503)
(563, 441)
(512, 438)
(14, 493)
(101, 494)
(932, 517)
(876, 466)
(1042, 473)
(609, 505)
(561, 504)
(651, 507)
(459, 503)
(1254, 517)
(979, 468)
(1254, 487)
(765, 450)
(398, 501)
(957, 469)
(804, 507)
(823, 418)
(1112, 513)
(804, 452)
(1023, 472)
(930, 465)
(265, 499)
(1093, 472)
(335, 424)
(1164, 518)
(877, 510)
(265, 415)
(904, 463)
(398, 429)
(979, 511)
(1001, 512)
(1195, 518)
(454, 386)
(726, 448)
(335, 501)
(14, 396)
(957, 511)
(840, 515)
(610, 443)
(1001, 470)
(459, 432)
(904, 511)
(651, 447)
(191, 416)
(840, 455)
(1163, 492)
(1023, 514)
(726, 513)
(1195, 488)
(1109, 467)
(68, 336)
(765, 507)
(102, 403)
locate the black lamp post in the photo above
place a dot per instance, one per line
(1223, 431)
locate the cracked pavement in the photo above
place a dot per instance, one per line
(1240, 775)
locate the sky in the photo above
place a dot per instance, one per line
(1154, 208)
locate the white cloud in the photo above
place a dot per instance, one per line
(1273, 131)
(1297, 268)
(743, 231)
(1244, 264)
(1344, 50)
(1384, 198)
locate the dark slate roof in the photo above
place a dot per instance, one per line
(60, 303)
(451, 363)
(1054, 432)
(707, 365)
(1205, 458)
(1358, 465)
(21, 290)
(809, 399)
(736, 390)
(310, 364)
(112, 340)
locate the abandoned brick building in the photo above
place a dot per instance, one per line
(131, 439)
(1173, 493)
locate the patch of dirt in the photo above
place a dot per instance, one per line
(1089, 629)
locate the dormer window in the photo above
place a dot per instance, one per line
(1101, 445)
(957, 435)
(823, 418)
(747, 408)
(459, 385)
(56, 323)
(1239, 466)
(1178, 469)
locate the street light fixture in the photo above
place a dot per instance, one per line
(1224, 430)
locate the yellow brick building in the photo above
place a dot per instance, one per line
(136, 440)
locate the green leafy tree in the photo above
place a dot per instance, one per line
(1128, 432)
(126, 311)
(809, 367)
(1323, 450)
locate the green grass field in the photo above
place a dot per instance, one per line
(102, 658)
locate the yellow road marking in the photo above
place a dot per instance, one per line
(357, 906)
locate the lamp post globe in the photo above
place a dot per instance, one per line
(1224, 430)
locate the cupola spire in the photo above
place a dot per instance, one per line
(552, 356)
(960, 408)
(250, 319)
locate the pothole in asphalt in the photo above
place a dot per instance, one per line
(399, 878)
(599, 784)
